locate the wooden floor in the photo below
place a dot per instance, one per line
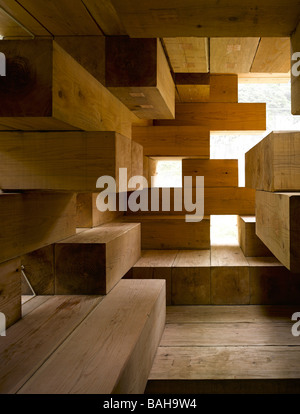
(227, 349)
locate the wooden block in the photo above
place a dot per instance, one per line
(219, 116)
(189, 78)
(172, 232)
(31, 341)
(229, 276)
(148, 91)
(34, 220)
(217, 201)
(273, 164)
(173, 141)
(71, 161)
(10, 288)
(106, 17)
(144, 19)
(88, 51)
(87, 214)
(149, 169)
(156, 264)
(224, 88)
(39, 270)
(94, 261)
(188, 54)
(250, 244)
(295, 78)
(136, 159)
(232, 55)
(216, 173)
(61, 18)
(271, 283)
(10, 26)
(134, 316)
(55, 92)
(277, 226)
(272, 56)
(191, 278)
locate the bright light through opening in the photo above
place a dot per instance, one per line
(168, 174)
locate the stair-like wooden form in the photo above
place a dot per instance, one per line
(54, 92)
(227, 349)
(273, 164)
(250, 244)
(93, 261)
(220, 276)
(171, 232)
(69, 161)
(148, 90)
(30, 221)
(85, 345)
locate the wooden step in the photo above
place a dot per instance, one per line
(216, 173)
(220, 116)
(10, 288)
(227, 349)
(295, 44)
(30, 221)
(277, 225)
(94, 261)
(148, 91)
(272, 164)
(219, 276)
(110, 351)
(69, 161)
(170, 141)
(171, 232)
(250, 244)
(55, 92)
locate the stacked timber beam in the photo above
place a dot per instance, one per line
(272, 168)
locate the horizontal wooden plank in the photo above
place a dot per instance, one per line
(33, 220)
(272, 56)
(277, 225)
(105, 16)
(31, 341)
(190, 18)
(33, 303)
(189, 78)
(216, 173)
(220, 116)
(272, 164)
(70, 161)
(134, 315)
(224, 88)
(169, 141)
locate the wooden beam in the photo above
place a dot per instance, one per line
(43, 96)
(61, 18)
(223, 88)
(217, 173)
(295, 77)
(103, 255)
(191, 18)
(171, 232)
(191, 278)
(173, 141)
(272, 164)
(272, 56)
(134, 316)
(69, 161)
(220, 116)
(232, 55)
(136, 159)
(250, 244)
(34, 220)
(277, 225)
(105, 16)
(188, 54)
(10, 287)
(147, 90)
(190, 78)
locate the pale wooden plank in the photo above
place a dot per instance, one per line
(106, 17)
(90, 362)
(32, 340)
(272, 56)
(33, 303)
